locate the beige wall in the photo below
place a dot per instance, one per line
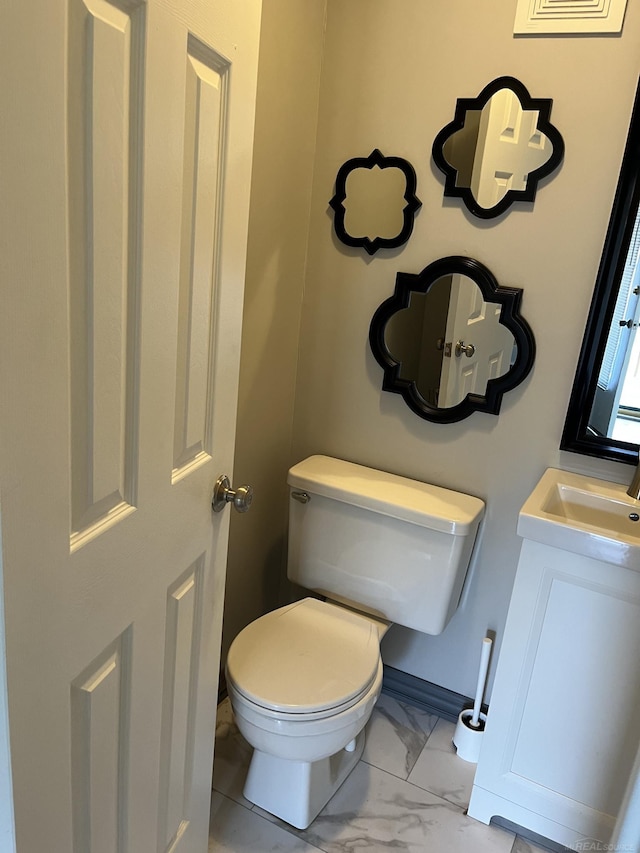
(391, 73)
(285, 134)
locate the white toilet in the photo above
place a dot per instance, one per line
(303, 679)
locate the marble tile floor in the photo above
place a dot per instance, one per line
(408, 793)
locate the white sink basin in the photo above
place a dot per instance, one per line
(584, 515)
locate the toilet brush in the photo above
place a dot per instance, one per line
(470, 726)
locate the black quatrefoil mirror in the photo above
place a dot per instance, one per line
(451, 340)
(497, 148)
(375, 202)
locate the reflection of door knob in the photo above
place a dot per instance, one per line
(467, 349)
(224, 494)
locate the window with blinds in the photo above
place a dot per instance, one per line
(625, 308)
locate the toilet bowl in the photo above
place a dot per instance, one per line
(304, 679)
(307, 739)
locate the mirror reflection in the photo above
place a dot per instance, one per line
(603, 417)
(616, 405)
(375, 202)
(450, 342)
(498, 147)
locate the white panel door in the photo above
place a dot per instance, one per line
(126, 141)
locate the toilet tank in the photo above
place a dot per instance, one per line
(390, 546)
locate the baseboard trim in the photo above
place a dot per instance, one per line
(423, 694)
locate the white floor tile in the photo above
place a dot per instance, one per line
(396, 735)
(374, 812)
(234, 829)
(440, 770)
(376, 809)
(231, 756)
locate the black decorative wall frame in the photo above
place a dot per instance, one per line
(463, 106)
(413, 203)
(508, 297)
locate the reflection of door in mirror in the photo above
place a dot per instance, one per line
(424, 335)
(472, 322)
(616, 404)
(512, 147)
(497, 148)
(416, 337)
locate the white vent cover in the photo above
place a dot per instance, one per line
(569, 16)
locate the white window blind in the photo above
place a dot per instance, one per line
(622, 311)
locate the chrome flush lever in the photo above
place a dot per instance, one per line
(224, 494)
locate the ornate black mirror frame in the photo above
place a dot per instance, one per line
(413, 203)
(463, 105)
(577, 435)
(509, 298)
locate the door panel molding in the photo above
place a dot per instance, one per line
(100, 724)
(105, 106)
(205, 131)
(181, 667)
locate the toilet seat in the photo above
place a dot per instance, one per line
(280, 718)
(306, 661)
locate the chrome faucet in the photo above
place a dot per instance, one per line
(634, 489)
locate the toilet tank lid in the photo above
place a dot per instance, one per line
(389, 494)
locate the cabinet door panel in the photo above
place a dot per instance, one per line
(560, 737)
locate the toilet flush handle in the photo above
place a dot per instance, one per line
(224, 494)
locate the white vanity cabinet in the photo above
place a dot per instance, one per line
(564, 717)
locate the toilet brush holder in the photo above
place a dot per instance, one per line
(467, 739)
